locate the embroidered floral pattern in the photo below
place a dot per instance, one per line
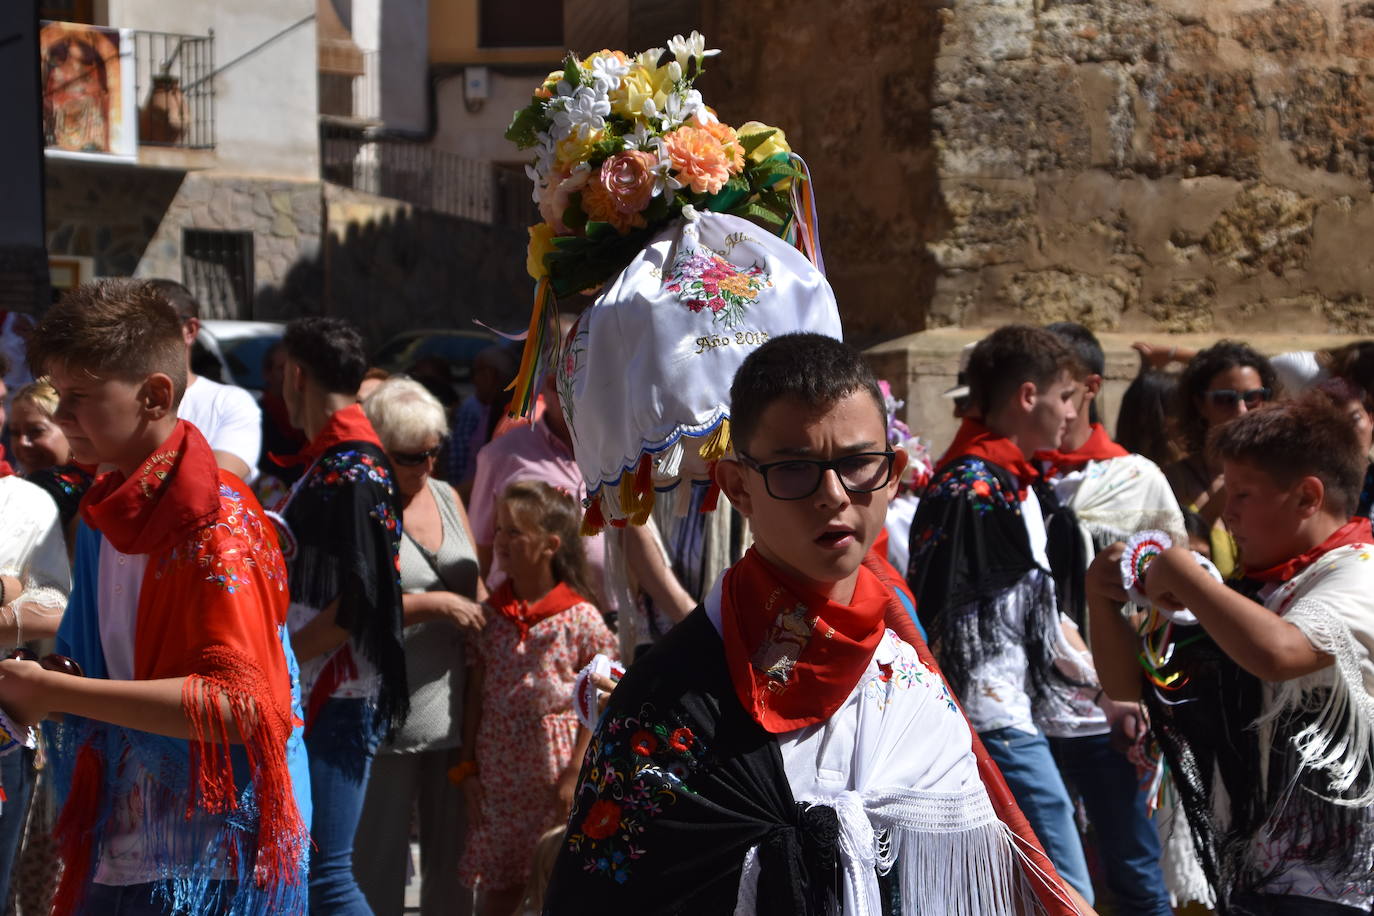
(973, 480)
(636, 766)
(902, 673)
(237, 542)
(704, 280)
(349, 467)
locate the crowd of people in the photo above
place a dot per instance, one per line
(273, 642)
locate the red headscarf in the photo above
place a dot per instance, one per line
(825, 646)
(977, 440)
(1099, 447)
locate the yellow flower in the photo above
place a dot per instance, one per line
(644, 81)
(577, 146)
(541, 243)
(770, 147)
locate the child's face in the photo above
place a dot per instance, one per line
(821, 538)
(1263, 516)
(523, 551)
(1052, 413)
(102, 418)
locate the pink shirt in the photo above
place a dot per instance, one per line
(527, 453)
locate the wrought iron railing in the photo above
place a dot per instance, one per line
(409, 171)
(175, 88)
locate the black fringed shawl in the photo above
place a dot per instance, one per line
(969, 546)
(344, 519)
(677, 785)
(1205, 728)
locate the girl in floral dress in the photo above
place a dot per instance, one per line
(523, 744)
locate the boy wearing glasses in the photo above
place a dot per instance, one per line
(781, 750)
(1265, 709)
(343, 527)
(981, 575)
(179, 755)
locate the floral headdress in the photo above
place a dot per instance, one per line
(622, 144)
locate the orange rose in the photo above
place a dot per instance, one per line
(698, 158)
(621, 190)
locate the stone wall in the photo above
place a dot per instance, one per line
(1170, 166)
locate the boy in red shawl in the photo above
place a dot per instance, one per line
(178, 748)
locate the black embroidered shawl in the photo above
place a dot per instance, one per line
(66, 484)
(969, 546)
(1205, 729)
(677, 785)
(344, 519)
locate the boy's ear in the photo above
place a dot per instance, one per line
(158, 396)
(899, 464)
(1311, 493)
(1026, 395)
(1092, 383)
(730, 477)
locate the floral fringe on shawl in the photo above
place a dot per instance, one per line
(206, 837)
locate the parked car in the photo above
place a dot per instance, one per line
(457, 348)
(236, 349)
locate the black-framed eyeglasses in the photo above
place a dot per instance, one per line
(415, 459)
(1230, 397)
(52, 662)
(798, 478)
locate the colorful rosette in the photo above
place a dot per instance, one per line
(1142, 549)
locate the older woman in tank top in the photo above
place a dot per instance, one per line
(442, 596)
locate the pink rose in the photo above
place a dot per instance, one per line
(622, 188)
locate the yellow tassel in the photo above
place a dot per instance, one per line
(629, 501)
(592, 520)
(718, 444)
(646, 507)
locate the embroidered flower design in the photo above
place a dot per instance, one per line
(602, 819)
(643, 743)
(704, 280)
(972, 479)
(681, 739)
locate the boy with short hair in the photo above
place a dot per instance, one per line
(750, 760)
(343, 521)
(981, 576)
(180, 755)
(1104, 494)
(1267, 716)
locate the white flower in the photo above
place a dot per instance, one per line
(608, 70)
(679, 106)
(689, 48)
(641, 139)
(583, 112)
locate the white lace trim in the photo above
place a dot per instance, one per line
(1340, 740)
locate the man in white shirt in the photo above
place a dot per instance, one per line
(225, 414)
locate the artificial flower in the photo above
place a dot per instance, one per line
(698, 158)
(693, 47)
(576, 147)
(627, 179)
(585, 110)
(729, 141)
(541, 243)
(645, 81)
(607, 68)
(556, 195)
(770, 147)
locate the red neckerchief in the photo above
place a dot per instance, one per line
(1355, 531)
(174, 492)
(6, 469)
(765, 617)
(347, 425)
(1099, 447)
(976, 440)
(525, 614)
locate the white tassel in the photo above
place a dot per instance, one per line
(669, 462)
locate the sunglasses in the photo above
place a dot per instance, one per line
(1230, 397)
(52, 662)
(415, 459)
(798, 478)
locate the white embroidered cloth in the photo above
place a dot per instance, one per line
(650, 363)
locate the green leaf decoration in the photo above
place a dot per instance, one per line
(525, 124)
(571, 72)
(581, 263)
(754, 141)
(575, 218)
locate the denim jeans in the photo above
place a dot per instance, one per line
(1029, 769)
(1126, 837)
(16, 775)
(340, 743)
(129, 900)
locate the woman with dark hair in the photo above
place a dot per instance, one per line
(1144, 423)
(1354, 401)
(1218, 384)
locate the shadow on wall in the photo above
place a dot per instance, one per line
(390, 268)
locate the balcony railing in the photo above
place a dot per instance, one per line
(174, 85)
(412, 172)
